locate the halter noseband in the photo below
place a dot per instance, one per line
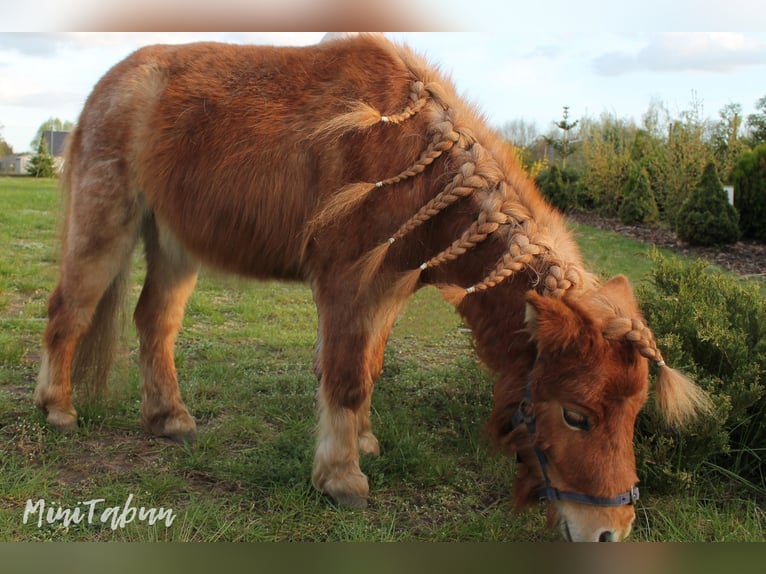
(550, 492)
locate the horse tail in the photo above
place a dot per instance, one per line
(101, 343)
(104, 336)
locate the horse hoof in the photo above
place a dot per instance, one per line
(350, 491)
(180, 428)
(62, 421)
(350, 501)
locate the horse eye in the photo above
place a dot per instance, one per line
(576, 420)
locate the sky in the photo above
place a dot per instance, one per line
(508, 70)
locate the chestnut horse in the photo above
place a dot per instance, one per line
(352, 165)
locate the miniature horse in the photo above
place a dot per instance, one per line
(352, 165)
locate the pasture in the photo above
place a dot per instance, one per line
(244, 363)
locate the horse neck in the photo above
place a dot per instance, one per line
(496, 320)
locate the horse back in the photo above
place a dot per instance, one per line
(220, 143)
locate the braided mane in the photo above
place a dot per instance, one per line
(502, 208)
(508, 205)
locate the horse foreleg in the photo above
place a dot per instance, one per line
(336, 459)
(170, 279)
(350, 359)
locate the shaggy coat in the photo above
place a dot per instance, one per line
(352, 165)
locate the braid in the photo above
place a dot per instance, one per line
(486, 224)
(635, 331)
(678, 399)
(444, 138)
(419, 96)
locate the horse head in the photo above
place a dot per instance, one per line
(572, 431)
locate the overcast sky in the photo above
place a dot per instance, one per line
(520, 71)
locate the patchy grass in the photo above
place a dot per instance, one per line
(244, 359)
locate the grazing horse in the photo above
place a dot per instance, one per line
(352, 165)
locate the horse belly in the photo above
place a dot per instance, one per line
(255, 234)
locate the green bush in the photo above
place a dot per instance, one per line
(749, 179)
(557, 187)
(41, 164)
(713, 327)
(638, 204)
(707, 217)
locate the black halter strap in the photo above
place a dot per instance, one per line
(523, 415)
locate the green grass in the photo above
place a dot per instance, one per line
(244, 359)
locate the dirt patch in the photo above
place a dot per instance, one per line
(745, 258)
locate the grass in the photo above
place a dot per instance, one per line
(244, 359)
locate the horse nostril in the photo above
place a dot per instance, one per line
(606, 536)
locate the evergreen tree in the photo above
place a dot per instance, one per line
(557, 188)
(564, 145)
(41, 164)
(749, 179)
(638, 204)
(706, 217)
(756, 123)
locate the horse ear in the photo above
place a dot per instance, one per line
(619, 288)
(551, 323)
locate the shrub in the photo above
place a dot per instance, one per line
(41, 164)
(557, 187)
(707, 217)
(712, 327)
(749, 179)
(638, 204)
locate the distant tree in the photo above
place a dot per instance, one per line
(726, 139)
(605, 151)
(5, 147)
(564, 145)
(520, 132)
(687, 155)
(749, 180)
(706, 217)
(638, 204)
(51, 124)
(756, 124)
(41, 164)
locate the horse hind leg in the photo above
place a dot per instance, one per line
(170, 279)
(84, 311)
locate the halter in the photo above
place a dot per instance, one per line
(523, 415)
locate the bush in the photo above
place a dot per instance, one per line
(41, 164)
(749, 179)
(707, 217)
(638, 204)
(712, 327)
(557, 187)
